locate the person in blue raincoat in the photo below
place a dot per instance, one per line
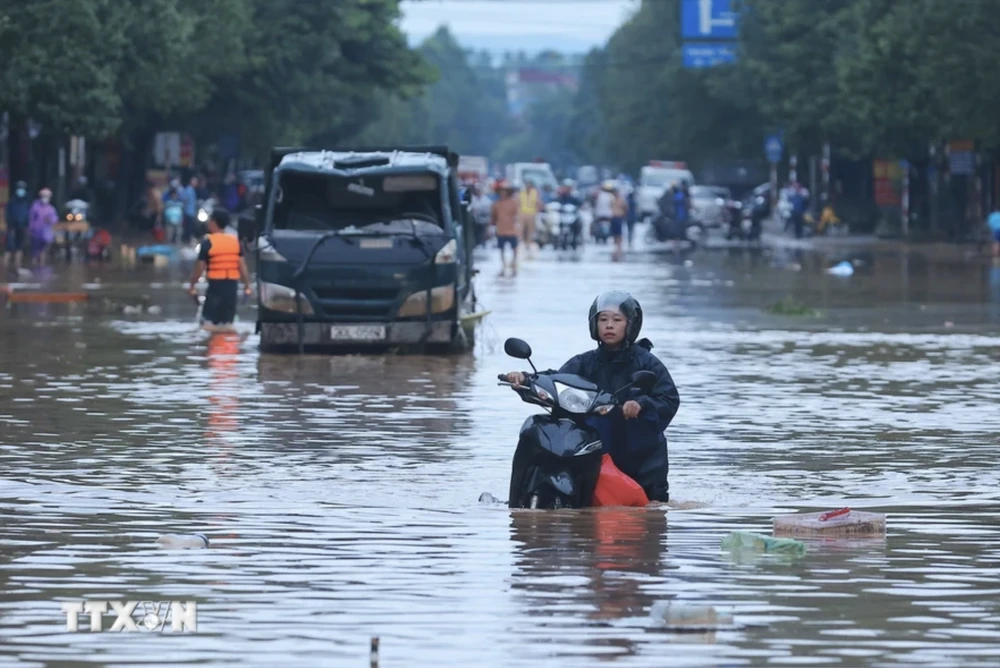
(633, 436)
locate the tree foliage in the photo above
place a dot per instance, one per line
(464, 107)
(869, 76)
(272, 70)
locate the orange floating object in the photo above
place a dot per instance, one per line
(614, 488)
(46, 297)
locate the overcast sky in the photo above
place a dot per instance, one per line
(532, 25)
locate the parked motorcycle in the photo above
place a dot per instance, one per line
(558, 457)
(570, 227)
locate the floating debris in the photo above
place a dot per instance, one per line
(173, 541)
(487, 499)
(844, 268)
(755, 542)
(789, 306)
(840, 522)
(689, 617)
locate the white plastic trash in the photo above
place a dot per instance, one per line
(173, 541)
(844, 268)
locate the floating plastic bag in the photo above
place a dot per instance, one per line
(755, 542)
(614, 488)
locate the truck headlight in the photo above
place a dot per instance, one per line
(447, 253)
(281, 298)
(442, 300)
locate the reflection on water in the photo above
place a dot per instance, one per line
(340, 492)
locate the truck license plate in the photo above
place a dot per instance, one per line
(357, 333)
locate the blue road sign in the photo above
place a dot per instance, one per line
(706, 54)
(773, 148)
(708, 19)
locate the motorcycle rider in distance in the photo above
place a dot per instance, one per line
(634, 436)
(565, 194)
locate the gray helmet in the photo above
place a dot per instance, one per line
(621, 302)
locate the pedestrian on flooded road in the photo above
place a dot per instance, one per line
(993, 222)
(631, 217)
(42, 224)
(18, 219)
(189, 197)
(633, 436)
(173, 212)
(619, 209)
(531, 206)
(220, 258)
(504, 218)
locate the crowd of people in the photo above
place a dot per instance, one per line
(508, 214)
(30, 223)
(171, 213)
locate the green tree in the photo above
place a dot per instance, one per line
(464, 107)
(60, 65)
(314, 68)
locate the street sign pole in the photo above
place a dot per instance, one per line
(773, 148)
(774, 187)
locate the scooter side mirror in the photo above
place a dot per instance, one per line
(517, 348)
(644, 380)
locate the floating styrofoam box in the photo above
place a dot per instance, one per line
(841, 522)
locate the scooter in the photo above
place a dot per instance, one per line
(75, 226)
(601, 229)
(739, 225)
(664, 228)
(558, 459)
(570, 227)
(547, 225)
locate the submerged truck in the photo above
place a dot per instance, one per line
(367, 248)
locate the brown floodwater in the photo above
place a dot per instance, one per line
(340, 493)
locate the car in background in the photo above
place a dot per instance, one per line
(708, 204)
(539, 173)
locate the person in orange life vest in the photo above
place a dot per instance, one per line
(220, 257)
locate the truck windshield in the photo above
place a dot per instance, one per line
(661, 178)
(389, 204)
(539, 176)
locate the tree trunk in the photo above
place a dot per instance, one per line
(131, 176)
(16, 165)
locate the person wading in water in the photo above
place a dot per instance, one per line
(221, 259)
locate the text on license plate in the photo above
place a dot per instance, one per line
(357, 333)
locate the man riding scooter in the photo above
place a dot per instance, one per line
(570, 208)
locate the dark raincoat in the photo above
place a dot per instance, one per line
(637, 446)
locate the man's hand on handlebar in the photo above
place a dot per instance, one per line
(630, 409)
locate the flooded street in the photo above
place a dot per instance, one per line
(340, 493)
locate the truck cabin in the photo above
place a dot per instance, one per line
(373, 242)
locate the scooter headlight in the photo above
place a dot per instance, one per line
(574, 400)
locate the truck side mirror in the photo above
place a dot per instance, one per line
(249, 225)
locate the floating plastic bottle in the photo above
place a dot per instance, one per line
(689, 617)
